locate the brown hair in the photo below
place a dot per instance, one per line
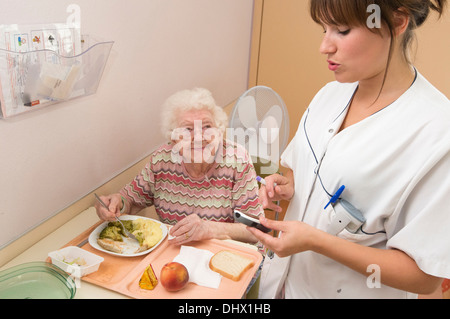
(354, 13)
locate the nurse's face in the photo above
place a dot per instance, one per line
(355, 53)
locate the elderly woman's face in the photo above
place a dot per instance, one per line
(196, 136)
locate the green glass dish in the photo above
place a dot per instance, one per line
(36, 280)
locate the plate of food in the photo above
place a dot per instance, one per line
(110, 238)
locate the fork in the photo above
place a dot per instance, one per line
(127, 233)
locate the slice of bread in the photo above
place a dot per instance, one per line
(230, 264)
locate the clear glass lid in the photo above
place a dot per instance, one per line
(36, 280)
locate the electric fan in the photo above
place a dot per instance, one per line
(259, 121)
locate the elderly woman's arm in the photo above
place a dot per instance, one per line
(236, 231)
(193, 228)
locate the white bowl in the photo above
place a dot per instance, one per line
(67, 258)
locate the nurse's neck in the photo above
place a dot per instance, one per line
(379, 91)
(373, 95)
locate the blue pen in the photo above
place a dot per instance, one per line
(262, 181)
(335, 197)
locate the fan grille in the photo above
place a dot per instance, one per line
(264, 98)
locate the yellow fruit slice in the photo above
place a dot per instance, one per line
(148, 280)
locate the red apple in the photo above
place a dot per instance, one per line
(174, 276)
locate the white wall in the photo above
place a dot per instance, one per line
(52, 157)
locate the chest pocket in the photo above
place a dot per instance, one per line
(350, 228)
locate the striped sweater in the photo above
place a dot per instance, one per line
(230, 184)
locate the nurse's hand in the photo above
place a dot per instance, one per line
(277, 188)
(295, 236)
(114, 203)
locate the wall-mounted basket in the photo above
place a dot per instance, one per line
(37, 78)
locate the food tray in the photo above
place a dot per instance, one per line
(122, 274)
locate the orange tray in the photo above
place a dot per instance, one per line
(122, 274)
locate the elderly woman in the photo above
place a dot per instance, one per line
(196, 180)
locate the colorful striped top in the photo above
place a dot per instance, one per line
(229, 184)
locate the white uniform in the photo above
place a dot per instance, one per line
(395, 166)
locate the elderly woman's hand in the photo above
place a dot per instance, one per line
(114, 203)
(190, 228)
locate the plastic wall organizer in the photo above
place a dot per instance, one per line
(32, 78)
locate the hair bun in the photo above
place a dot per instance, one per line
(421, 9)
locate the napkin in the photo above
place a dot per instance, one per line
(197, 263)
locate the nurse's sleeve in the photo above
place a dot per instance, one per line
(286, 159)
(290, 154)
(421, 224)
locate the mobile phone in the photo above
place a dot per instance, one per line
(249, 221)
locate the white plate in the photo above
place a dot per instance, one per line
(96, 232)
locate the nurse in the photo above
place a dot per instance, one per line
(383, 132)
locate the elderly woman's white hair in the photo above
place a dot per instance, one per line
(185, 100)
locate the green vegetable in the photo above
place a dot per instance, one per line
(128, 225)
(112, 232)
(77, 261)
(115, 231)
(139, 236)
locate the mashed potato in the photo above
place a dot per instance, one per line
(148, 232)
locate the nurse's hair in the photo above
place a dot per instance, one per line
(186, 100)
(355, 13)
